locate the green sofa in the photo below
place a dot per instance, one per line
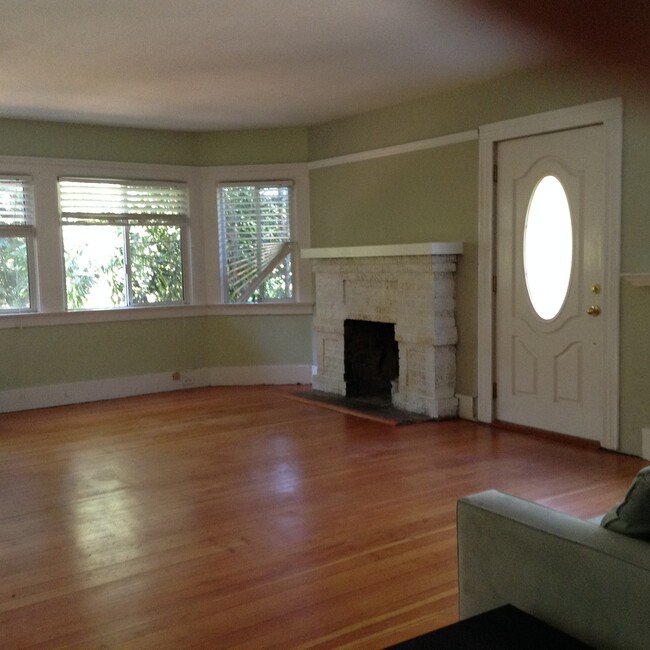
(591, 583)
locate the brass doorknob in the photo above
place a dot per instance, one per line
(594, 310)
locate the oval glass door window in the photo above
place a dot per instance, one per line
(548, 247)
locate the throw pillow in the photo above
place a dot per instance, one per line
(632, 515)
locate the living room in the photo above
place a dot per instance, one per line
(356, 185)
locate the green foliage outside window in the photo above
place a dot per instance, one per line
(97, 273)
(16, 218)
(14, 274)
(156, 267)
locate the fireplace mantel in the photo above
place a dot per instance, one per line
(391, 250)
(411, 286)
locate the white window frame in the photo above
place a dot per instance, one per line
(277, 255)
(126, 219)
(201, 271)
(26, 231)
(298, 173)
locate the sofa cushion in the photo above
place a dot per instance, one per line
(632, 515)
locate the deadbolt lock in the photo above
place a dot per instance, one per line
(595, 288)
(594, 310)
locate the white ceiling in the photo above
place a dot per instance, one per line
(226, 64)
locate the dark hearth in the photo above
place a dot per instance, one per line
(371, 358)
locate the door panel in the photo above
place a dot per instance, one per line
(568, 364)
(549, 369)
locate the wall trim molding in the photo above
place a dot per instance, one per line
(33, 397)
(395, 150)
(41, 319)
(608, 113)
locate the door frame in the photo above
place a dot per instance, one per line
(609, 114)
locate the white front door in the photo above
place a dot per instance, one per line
(550, 279)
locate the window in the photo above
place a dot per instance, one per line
(256, 240)
(548, 234)
(113, 241)
(16, 242)
(122, 241)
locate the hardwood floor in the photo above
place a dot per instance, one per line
(235, 517)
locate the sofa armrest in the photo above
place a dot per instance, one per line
(574, 575)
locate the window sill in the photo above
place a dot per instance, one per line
(39, 319)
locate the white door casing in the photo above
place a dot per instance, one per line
(609, 114)
(549, 360)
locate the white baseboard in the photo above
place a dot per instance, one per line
(645, 444)
(21, 399)
(466, 407)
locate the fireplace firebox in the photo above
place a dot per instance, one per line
(371, 358)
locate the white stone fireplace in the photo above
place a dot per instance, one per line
(411, 286)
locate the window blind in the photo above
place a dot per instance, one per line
(255, 233)
(16, 201)
(89, 201)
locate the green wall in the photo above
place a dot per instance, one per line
(256, 340)
(523, 93)
(37, 356)
(84, 142)
(252, 147)
(67, 353)
(77, 141)
(427, 195)
(432, 196)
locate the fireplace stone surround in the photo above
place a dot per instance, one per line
(411, 286)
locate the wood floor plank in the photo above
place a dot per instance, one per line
(236, 517)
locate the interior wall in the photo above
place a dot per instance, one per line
(392, 200)
(106, 143)
(257, 147)
(86, 142)
(35, 356)
(58, 354)
(359, 202)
